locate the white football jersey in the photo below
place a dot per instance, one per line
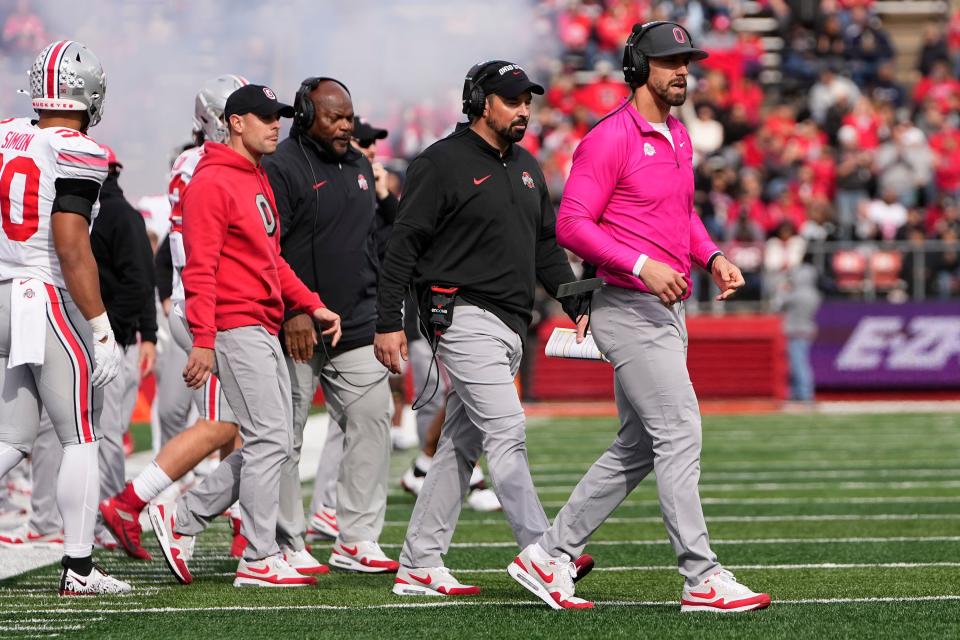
(31, 161)
(180, 176)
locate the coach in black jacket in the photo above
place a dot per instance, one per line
(475, 216)
(125, 262)
(325, 195)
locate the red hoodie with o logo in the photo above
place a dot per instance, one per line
(234, 276)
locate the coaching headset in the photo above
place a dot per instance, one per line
(636, 66)
(473, 98)
(303, 109)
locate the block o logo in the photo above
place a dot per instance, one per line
(266, 214)
(679, 35)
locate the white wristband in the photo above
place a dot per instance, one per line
(100, 324)
(642, 260)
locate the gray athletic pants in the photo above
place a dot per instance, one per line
(44, 468)
(660, 430)
(424, 383)
(362, 413)
(424, 373)
(173, 397)
(328, 470)
(119, 400)
(481, 356)
(255, 380)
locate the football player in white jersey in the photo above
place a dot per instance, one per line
(56, 346)
(216, 427)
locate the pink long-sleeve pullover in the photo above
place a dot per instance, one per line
(631, 193)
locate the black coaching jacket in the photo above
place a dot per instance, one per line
(125, 262)
(329, 221)
(478, 221)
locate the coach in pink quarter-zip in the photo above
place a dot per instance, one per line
(628, 209)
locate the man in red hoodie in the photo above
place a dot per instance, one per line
(237, 288)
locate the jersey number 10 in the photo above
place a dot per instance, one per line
(25, 166)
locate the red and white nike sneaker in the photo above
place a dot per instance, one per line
(364, 556)
(323, 525)
(105, 540)
(239, 543)
(177, 549)
(548, 578)
(721, 592)
(304, 562)
(97, 582)
(583, 566)
(24, 536)
(431, 581)
(123, 521)
(272, 571)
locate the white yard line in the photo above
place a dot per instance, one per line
(482, 603)
(613, 543)
(763, 567)
(784, 518)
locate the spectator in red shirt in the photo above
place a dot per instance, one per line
(604, 94)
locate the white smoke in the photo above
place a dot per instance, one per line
(389, 52)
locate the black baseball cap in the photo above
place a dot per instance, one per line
(667, 39)
(508, 80)
(366, 133)
(258, 99)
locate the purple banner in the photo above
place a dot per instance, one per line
(883, 345)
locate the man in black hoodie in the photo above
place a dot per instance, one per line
(328, 206)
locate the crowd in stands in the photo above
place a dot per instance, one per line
(841, 145)
(838, 149)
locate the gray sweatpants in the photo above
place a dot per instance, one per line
(362, 413)
(481, 355)
(255, 380)
(119, 399)
(425, 385)
(174, 398)
(424, 373)
(328, 470)
(660, 430)
(44, 468)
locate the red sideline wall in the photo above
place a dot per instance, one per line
(741, 356)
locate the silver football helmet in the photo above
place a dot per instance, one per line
(208, 110)
(67, 76)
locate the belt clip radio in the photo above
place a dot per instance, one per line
(442, 300)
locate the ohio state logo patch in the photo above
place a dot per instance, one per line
(679, 35)
(269, 93)
(527, 180)
(362, 181)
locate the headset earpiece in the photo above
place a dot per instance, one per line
(473, 98)
(303, 109)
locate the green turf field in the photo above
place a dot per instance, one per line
(851, 523)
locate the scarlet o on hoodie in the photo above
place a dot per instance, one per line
(234, 276)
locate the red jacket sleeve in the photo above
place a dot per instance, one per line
(206, 210)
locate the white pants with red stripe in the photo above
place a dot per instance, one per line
(61, 385)
(209, 399)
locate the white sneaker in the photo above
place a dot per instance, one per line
(304, 562)
(431, 581)
(721, 592)
(99, 582)
(483, 500)
(323, 525)
(549, 578)
(403, 438)
(272, 571)
(24, 536)
(177, 549)
(411, 482)
(364, 556)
